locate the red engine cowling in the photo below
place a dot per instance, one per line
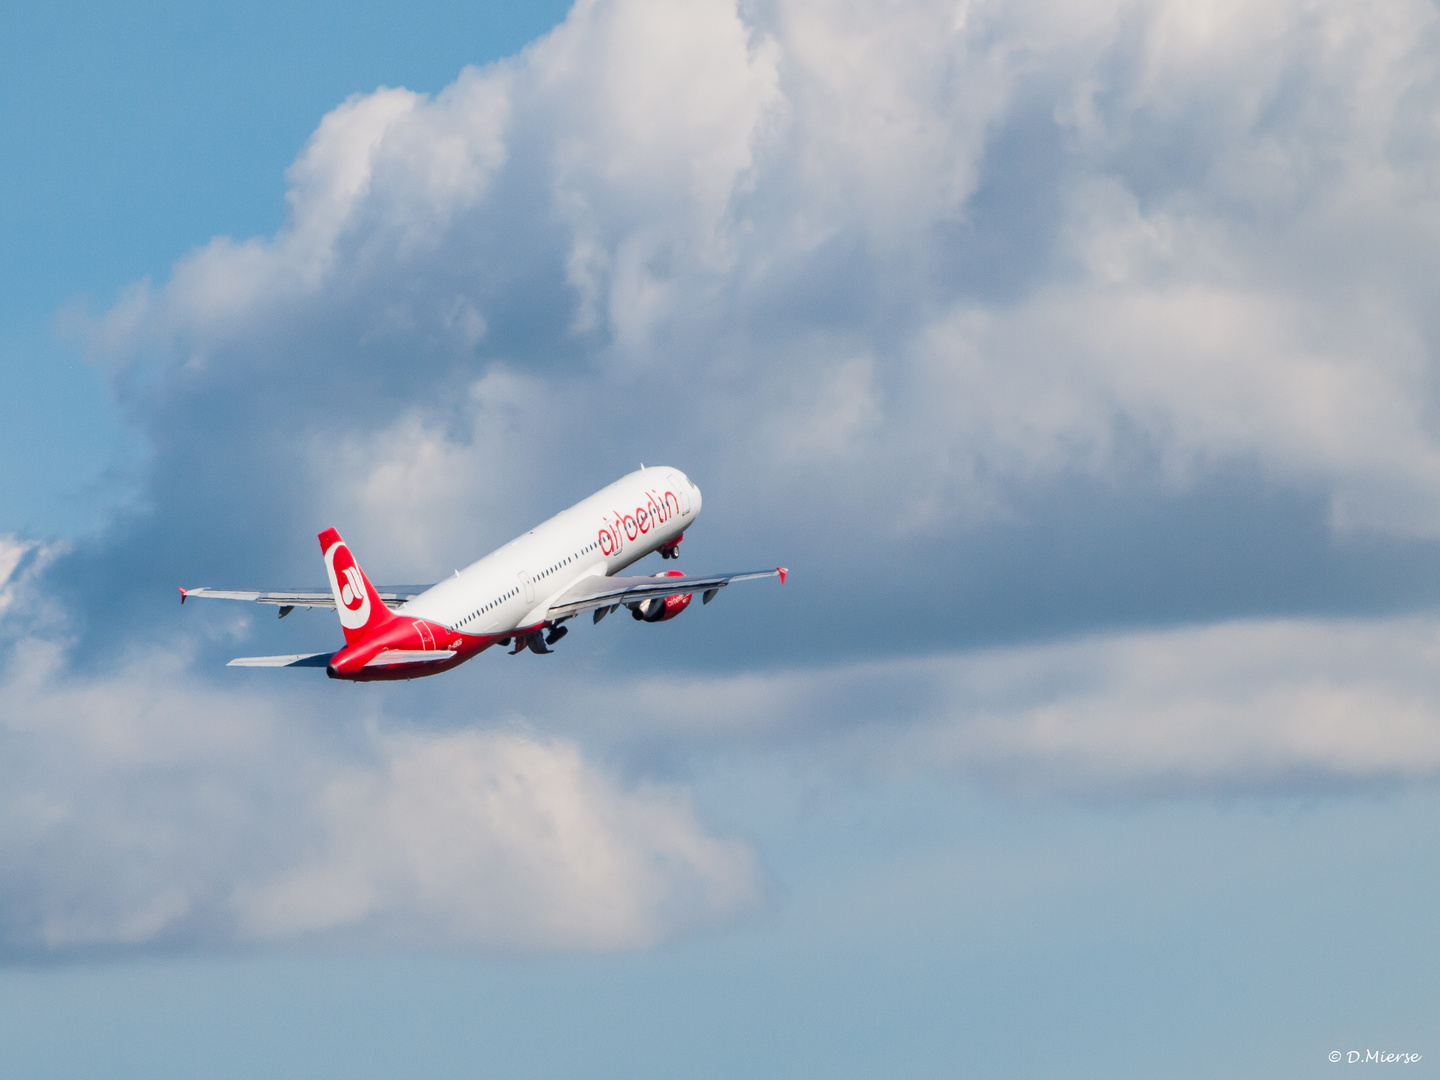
(662, 608)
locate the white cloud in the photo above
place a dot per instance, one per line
(422, 490)
(379, 180)
(145, 809)
(1206, 373)
(1258, 705)
(653, 113)
(142, 809)
(869, 271)
(737, 204)
(506, 841)
(21, 564)
(12, 551)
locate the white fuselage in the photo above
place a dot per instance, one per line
(514, 586)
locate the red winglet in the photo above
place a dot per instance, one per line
(182, 594)
(783, 572)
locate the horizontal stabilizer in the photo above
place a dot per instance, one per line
(409, 656)
(319, 659)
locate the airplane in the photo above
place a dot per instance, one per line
(523, 592)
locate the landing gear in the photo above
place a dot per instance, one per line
(536, 640)
(672, 549)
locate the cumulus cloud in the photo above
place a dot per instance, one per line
(928, 254)
(146, 809)
(141, 808)
(1245, 706)
(887, 281)
(504, 841)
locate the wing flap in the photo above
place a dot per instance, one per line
(598, 592)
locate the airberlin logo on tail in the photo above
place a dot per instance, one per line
(352, 599)
(618, 528)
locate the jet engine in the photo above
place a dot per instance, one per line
(660, 608)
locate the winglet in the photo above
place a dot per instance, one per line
(782, 572)
(182, 593)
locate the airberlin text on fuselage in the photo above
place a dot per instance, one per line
(618, 527)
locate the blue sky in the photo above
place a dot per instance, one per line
(138, 134)
(1078, 361)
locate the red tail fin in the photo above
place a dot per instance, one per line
(359, 606)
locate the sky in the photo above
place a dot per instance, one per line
(1077, 359)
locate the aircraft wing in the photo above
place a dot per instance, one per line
(289, 599)
(603, 594)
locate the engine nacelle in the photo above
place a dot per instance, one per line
(660, 608)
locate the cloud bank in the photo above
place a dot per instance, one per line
(991, 319)
(147, 809)
(1254, 706)
(1007, 241)
(144, 809)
